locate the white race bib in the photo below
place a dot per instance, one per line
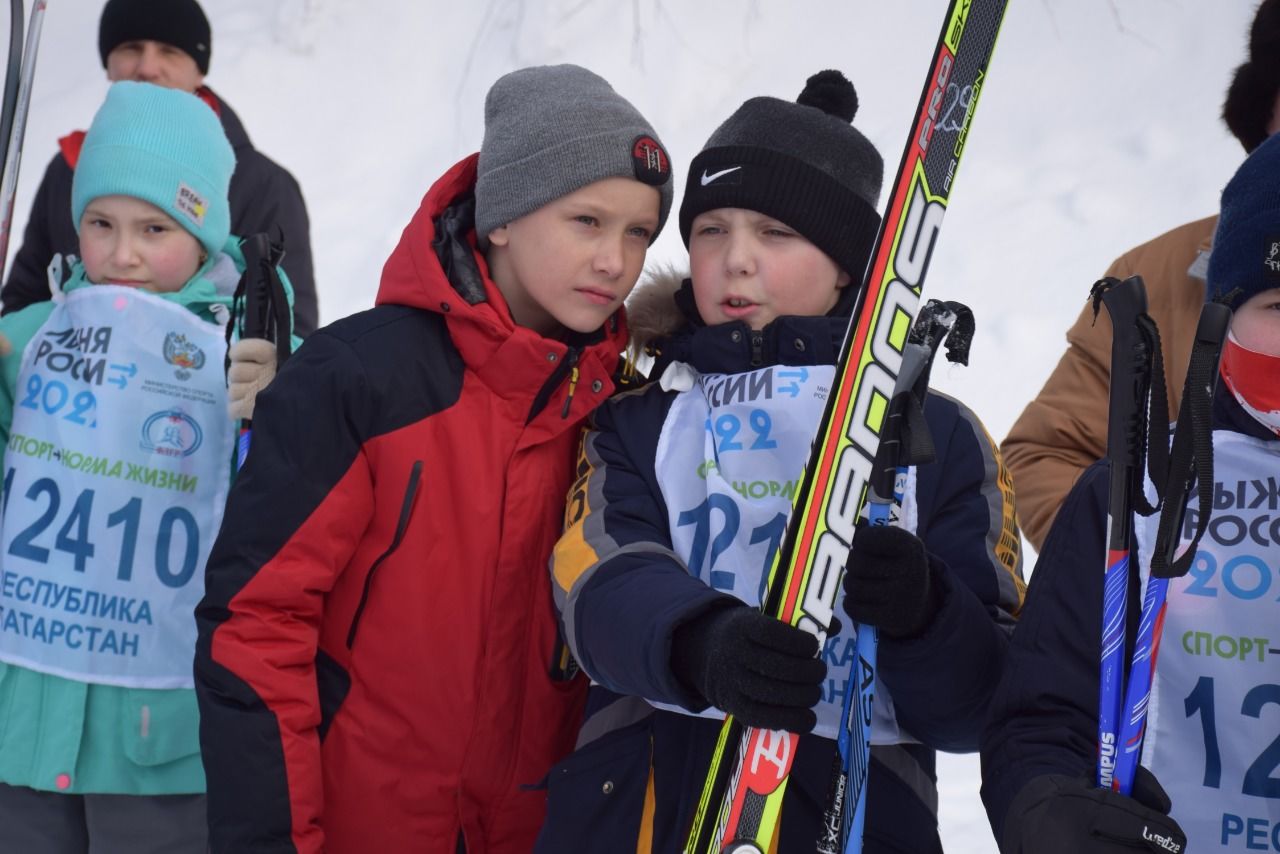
(116, 475)
(1213, 731)
(729, 497)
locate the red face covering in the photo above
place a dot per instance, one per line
(1254, 379)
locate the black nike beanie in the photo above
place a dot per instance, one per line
(802, 163)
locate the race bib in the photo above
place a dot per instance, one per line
(1213, 731)
(116, 474)
(729, 460)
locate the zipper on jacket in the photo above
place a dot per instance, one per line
(757, 348)
(573, 386)
(402, 524)
(568, 365)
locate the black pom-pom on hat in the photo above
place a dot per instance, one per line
(831, 92)
(801, 162)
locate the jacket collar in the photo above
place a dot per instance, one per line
(731, 348)
(231, 124)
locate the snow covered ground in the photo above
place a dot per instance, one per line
(1098, 129)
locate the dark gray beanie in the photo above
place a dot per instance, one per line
(553, 129)
(801, 163)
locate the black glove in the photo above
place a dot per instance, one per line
(1056, 814)
(888, 582)
(758, 669)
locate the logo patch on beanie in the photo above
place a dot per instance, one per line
(731, 175)
(191, 204)
(650, 160)
(1272, 262)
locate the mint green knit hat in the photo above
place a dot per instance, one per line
(163, 146)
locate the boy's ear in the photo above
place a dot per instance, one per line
(843, 280)
(499, 236)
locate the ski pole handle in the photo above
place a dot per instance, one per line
(1125, 302)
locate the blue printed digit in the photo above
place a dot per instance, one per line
(82, 405)
(77, 545)
(1258, 780)
(1258, 590)
(770, 532)
(727, 427)
(127, 515)
(171, 517)
(23, 545)
(60, 397)
(31, 401)
(1200, 701)
(700, 518)
(1202, 570)
(8, 487)
(761, 423)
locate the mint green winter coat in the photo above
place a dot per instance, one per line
(60, 735)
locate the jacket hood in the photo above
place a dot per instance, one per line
(652, 311)
(437, 267)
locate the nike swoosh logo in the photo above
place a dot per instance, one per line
(707, 179)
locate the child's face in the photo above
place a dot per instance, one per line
(126, 241)
(1256, 323)
(573, 261)
(750, 267)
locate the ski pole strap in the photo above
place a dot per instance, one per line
(1152, 439)
(1138, 427)
(1191, 459)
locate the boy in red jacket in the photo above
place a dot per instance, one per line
(378, 665)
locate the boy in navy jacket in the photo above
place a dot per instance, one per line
(683, 492)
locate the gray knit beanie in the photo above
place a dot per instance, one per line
(801, 163)
(551, 130)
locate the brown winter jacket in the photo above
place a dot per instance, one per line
(1064, 429)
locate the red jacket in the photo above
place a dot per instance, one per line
(376, 662)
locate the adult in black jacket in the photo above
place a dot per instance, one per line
(167, 42)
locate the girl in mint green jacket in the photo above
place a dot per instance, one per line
(116, 445)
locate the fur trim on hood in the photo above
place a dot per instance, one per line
(652, 312)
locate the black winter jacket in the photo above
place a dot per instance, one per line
(1044, 714)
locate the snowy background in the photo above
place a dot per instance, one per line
(1098, 129)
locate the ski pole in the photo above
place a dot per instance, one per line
(1191, 464)
(14, 71)
(904, 441)
(264, 313)
(1125, 302)
(13, 152)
